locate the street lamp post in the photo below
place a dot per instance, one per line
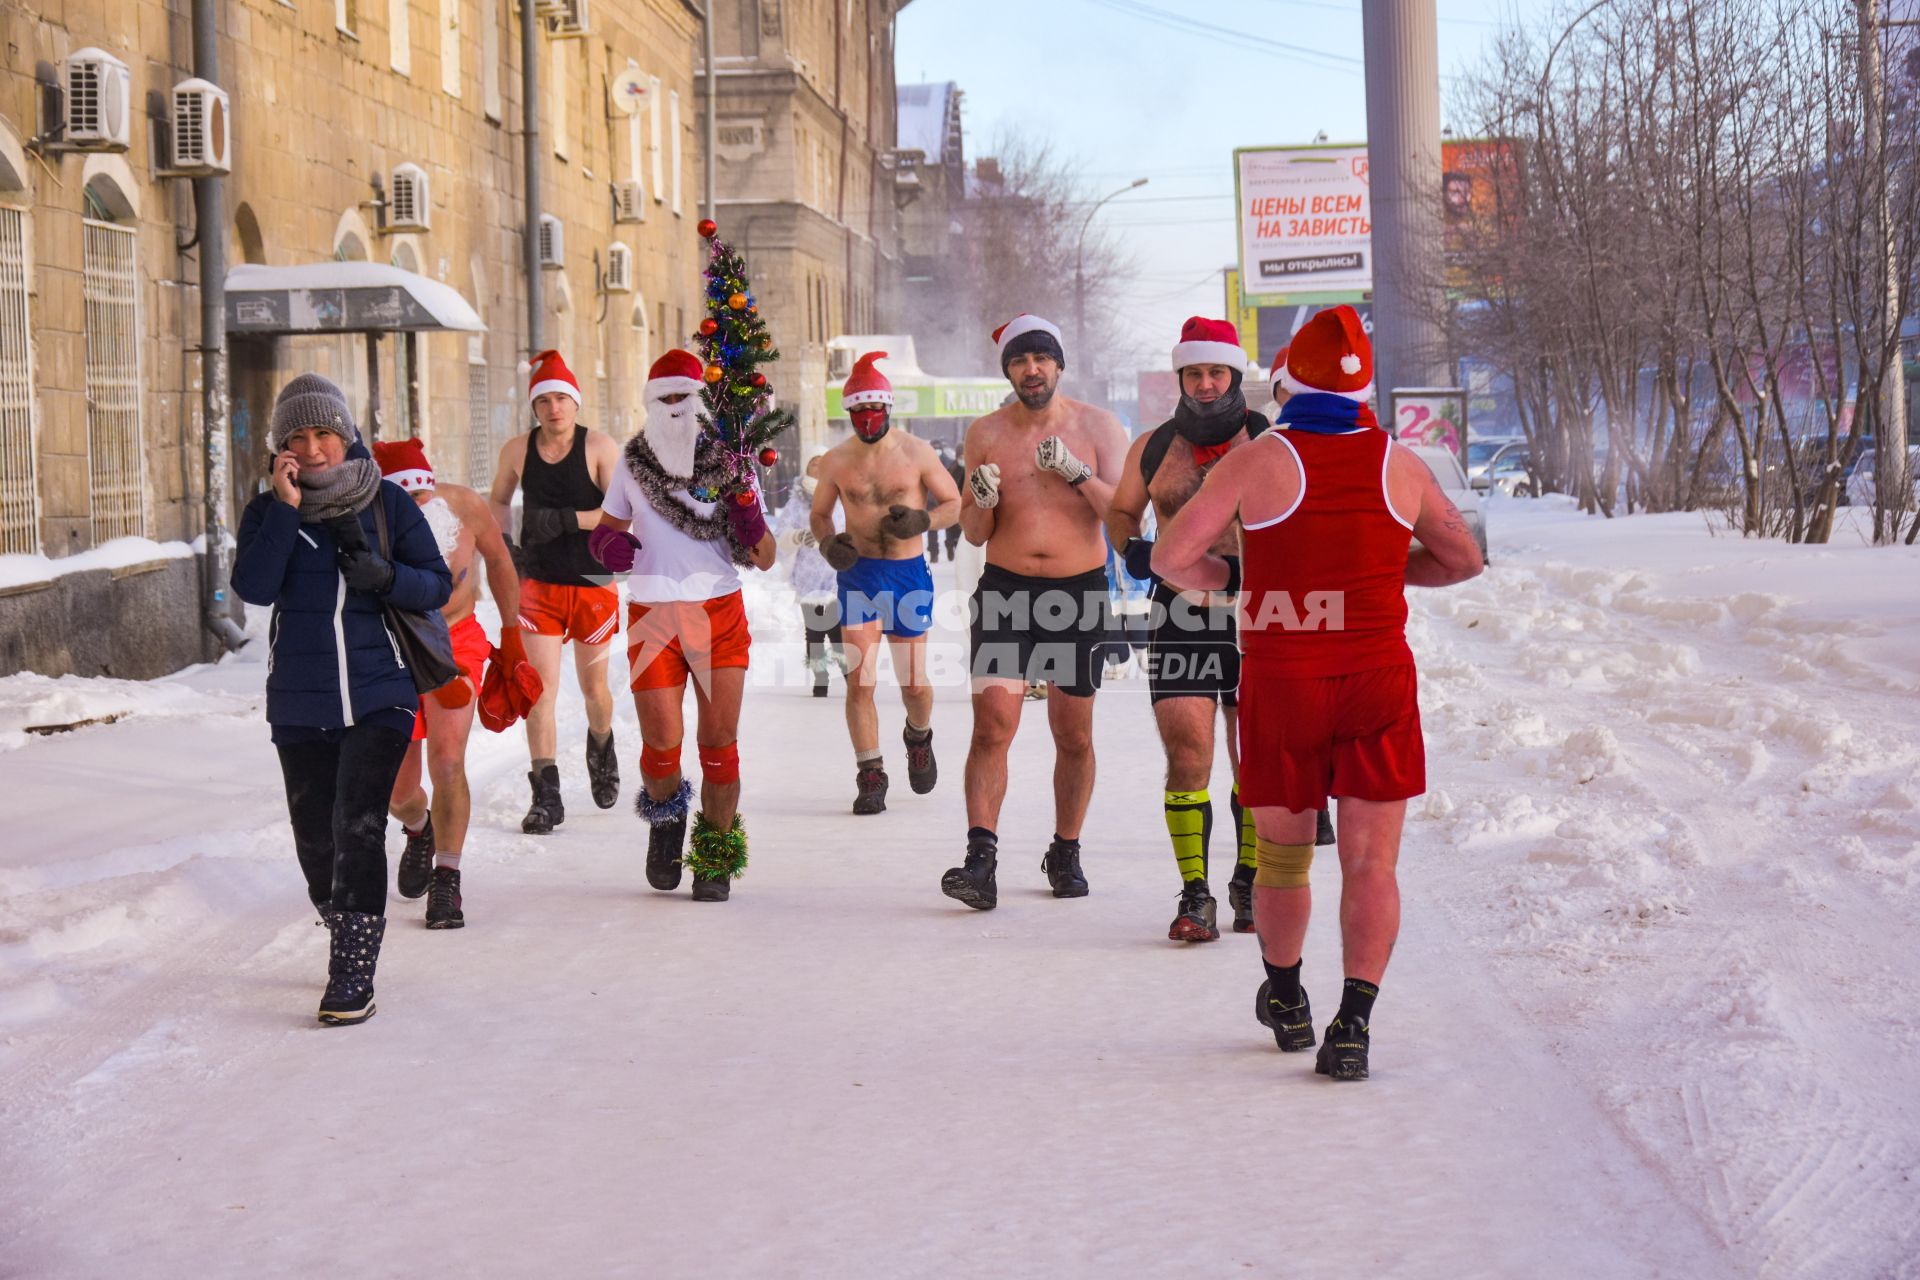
(1079, 264)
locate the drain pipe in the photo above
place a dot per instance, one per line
(530, 137)
(210, 225)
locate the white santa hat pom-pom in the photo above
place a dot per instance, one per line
(1349, 363)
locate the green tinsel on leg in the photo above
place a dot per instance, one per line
(714, 854)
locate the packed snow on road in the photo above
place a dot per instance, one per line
(1655, 1010)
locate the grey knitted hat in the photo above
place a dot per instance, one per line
(310, 401)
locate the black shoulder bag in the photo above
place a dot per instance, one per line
(426, 646)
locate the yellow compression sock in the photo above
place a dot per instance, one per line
(1190, 823)
(1243, 821)
(1283, 866)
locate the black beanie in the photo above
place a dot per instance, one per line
(1033, 342)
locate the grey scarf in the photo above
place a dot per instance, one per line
(344, 490)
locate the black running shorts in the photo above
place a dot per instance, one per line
(1058, 630)
(1194, 651)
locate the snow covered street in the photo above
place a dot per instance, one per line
(1655, 1010)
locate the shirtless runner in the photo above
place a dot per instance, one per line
(1040, 611)
(892, 491)
(463, 526)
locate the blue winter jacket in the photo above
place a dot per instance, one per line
(322, 637)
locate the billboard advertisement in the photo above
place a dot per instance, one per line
(1306, 220)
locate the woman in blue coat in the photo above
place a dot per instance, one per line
(340, 699)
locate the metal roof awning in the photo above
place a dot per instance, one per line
(343, 297)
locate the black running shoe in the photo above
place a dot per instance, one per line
(1195, 920)
(546, 812)
(1240, 898)
(443, 900)
(416, 864)
(922, 771)
(1323, 829)
(603, 771)
(1343, 1052)
(973, 883)
(1292, 1027)
(1062, 865)
(870, 789)
(665, 843)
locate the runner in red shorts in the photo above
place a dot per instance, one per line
(681, 555)
(561, 470)
(436, 830)
(1328, 707)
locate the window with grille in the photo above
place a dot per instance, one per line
(479, 442)
(116, 460)
(19, 504)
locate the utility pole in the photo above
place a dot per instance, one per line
(713, 110)
(1890, 392)
(1403, 152)
(530, 138)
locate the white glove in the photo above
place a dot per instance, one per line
(985, 484)
(1053, 455)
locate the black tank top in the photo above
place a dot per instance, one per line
(567, 485)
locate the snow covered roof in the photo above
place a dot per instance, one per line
(343, 297)
(925, 123)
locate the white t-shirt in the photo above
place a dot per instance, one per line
(669, 565)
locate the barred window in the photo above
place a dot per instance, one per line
(479, 440)
(19, 502)
(117, 462)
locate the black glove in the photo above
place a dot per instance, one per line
(840, 552)
(1138, 557)
(544, 524)
(904, 522)
(348, 535)
(366, 570)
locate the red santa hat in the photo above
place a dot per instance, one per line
(676, 373)
(1279, 366)
(405, 463)
(866, 384)
(548, 372)
(1204, 341)
(1330, 354)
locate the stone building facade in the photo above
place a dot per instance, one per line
(805, 149)
(100, 433)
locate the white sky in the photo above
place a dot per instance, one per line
(1128, 96)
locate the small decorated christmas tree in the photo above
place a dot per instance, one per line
(734, 343)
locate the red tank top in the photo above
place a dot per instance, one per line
(1323, 587)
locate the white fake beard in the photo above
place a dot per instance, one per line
(673, 433)
(445, 524)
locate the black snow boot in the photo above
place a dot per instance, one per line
(1292, 1027)
(1196, 919)
(922, 770)
(1062, 865)
(603, 771)
(355, 952)
(1240, 898)
(546, 812)
(870, 789)
(416, 863)
(443, 900)
(973, 883)
(666, 834)
(1343, 1053)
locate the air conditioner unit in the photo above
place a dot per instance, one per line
(553, 243)
(619, 270)
(201, 135)
(629, 201)
(568, 20)
(99, 101)
(408, 205)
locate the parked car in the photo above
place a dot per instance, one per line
(1482, 450)
(1445, 465)
(1504, 469)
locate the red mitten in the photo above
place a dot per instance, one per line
(496, 708)
(521, 683)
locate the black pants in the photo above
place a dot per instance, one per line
(822, 622)
(337, 791)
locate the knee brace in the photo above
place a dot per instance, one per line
(1281, 866)
(720, 765)
(659, 762)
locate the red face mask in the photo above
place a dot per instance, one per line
(870, 421)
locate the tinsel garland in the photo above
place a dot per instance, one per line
(658, 813)
(710, 470)
(714, 854)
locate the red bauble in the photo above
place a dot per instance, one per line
(769, 456)
(709, 327)
(759, 380)
(753, 311)
(744, 497)
(707, 228)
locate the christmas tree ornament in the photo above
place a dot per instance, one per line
(769, 455)
(759, 380)
(737, 301)
(744, 498)
(708, 228)
(709, 327)
(715, 373)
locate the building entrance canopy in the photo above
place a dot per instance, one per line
(342, 297)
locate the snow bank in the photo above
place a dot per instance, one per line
(119, 553)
